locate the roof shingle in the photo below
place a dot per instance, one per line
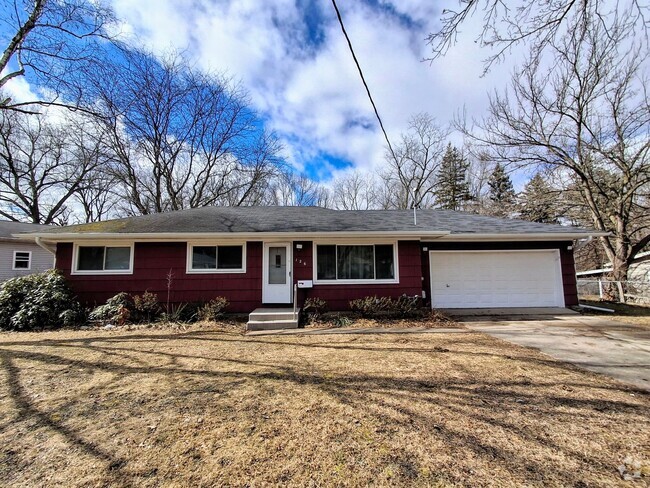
(312, 219)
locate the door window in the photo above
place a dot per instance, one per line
(277, 265)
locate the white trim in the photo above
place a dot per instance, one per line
(265, 271)
(348, 242)
(248, 236)
(308, 236)
(547, 236)
(188, 257)
(75, 256)
(29, 261)
(559, 279)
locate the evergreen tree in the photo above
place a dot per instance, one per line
(501, 189)
(537, 202)
(501, 193)
(452, 184)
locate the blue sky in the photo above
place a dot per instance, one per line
(292, 58)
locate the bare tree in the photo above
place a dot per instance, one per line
(410, 176)
(586, 121)
(355, 191)
(478, 174)
(180, 138)
(42, 167)
(49, 40)
(539, 23)
(291, 189)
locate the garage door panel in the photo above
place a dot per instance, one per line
(473, 279)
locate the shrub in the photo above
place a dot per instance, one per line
(341, 321)
(314, 307)
(146, 307)
(373, 306)
(41, 300)
(176, 313)
(117, 309)
(370, 306)
(407, 306)
(213, 309)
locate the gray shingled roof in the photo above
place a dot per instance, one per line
(9, 228)
(313, 219)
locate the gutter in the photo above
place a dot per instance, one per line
(530, 236)
(42, 245)
(266, 236)
(252, 236)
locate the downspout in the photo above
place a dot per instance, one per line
(49, 249)
(42, 245)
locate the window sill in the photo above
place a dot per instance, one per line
(215, 271)
(102, 272)
(356, 282)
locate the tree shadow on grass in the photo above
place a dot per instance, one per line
(26, 410)
(398, 401)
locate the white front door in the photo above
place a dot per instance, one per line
(276, 274)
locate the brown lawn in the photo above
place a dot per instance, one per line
(207, 408)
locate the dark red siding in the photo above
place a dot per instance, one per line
(339, 296)
(154, 260)
(566, 260)
(152, 263)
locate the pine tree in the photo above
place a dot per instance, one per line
(501, 189)
(452, 184)
(501, 193)
(537, 202)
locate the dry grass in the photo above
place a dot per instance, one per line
(430, 320)
(211, 408)
(629, 313)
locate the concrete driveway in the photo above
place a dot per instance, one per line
(619, 350)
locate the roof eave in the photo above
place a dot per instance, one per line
(260, 236)
(524, 236)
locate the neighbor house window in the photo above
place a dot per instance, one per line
(355, 262)
(103, 259)
(22, 260)
(214, 259)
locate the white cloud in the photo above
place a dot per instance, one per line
(311, 93)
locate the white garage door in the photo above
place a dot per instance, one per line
(486, 279)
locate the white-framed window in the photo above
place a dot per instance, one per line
(216, 257)
(94, 258)
(22, 260)
(355, 263)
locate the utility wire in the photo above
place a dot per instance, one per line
(363, 79)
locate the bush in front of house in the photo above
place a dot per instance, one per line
(213, 309)
(313, 308)
(374, 306)
(38, 301)
(407, 306)
(116, 310)
(370, 306)
(146, 307)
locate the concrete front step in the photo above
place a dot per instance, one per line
(266, 316)
(271, 324)
(272, 319)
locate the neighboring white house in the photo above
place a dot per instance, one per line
(638, 277)
(19, 257)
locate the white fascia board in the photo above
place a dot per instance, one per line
(542, 236)
(296, 236)
(251, 236)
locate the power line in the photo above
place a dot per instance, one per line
(363, 79)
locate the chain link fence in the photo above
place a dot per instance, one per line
(635, 291)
